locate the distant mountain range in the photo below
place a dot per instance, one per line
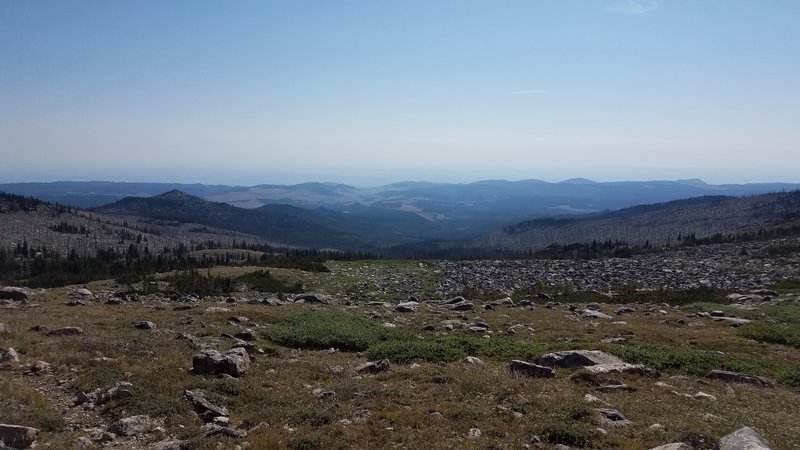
(486, 214)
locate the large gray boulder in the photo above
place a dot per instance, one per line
(17, 436)
(744, 439)
(234, 362)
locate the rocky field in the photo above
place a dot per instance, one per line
(699, 349)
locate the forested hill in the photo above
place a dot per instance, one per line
(278, 225)
(657, 224)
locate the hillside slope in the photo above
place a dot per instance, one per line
(658, 223)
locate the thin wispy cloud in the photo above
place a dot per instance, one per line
(632, 6)
(531, 92)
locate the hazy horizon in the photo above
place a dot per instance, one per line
(368, 93)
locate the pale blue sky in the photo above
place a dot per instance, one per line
(366, 92)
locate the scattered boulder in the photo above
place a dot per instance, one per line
(472, 360)
(217, 430)
(744, 439)
(135, 425)
(311, 298)
(8, 355)
(117, 391)
(83, 292)
(144, 325)
(362, 416)
(461, 306)
(234, 362)
(204, 408)
(406, 307)
(374, 367)
(593, 314)
(3, 328)
(736, 377)
(246, 335)
(194, 340)
(673, 446)
(65, 331)
(611, 418)
(39, 368)
(17, 436)
(571, 359)
(13, 293)
(530, 370)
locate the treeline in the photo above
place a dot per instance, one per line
(39, 267)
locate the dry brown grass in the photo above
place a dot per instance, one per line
(278, 389)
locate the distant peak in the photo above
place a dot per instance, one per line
(173, 194)
(578, 181)
(693, 181)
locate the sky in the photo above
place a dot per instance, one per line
(369, 92)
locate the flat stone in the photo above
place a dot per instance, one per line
(65, 331)
(204, 408)
(741, 378)
(611, 418)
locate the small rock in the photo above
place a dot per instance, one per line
(474, 433)
(144, 325)
(611, 418)
(362, 416)
(472, 360)
(374, 367)
(135, 425)
(673, 446)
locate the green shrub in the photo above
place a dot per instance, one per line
(680, 359)
(406, 351)
(772, 333)
(326, 329)
(263, 281)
